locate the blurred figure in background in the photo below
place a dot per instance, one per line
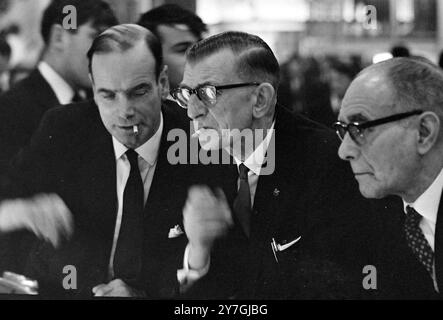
(59, 78)
(291, 91)
(340, 77)
(5, 55)
(177, 29)
(315, 87)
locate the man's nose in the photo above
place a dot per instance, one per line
(127, 109)
(196, 108)
(348, 149)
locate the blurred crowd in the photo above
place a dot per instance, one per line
(316, 85)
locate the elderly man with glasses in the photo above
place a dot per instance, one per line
(393, 112)
(296, 231)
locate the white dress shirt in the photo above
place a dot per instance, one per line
(427, 206)
(147, 161)
(254, 162)
(61, 88)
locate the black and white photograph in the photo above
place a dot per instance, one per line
(223, 157)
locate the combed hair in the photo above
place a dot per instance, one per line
(96, 11)
(255, 62)
(417, 83)
(123, 37)
(172, 14)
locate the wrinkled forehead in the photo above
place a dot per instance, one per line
(218, 68)
(369, 96)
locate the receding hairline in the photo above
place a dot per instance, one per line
(124, 37)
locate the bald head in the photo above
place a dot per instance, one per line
(416, 83)
(397, 146)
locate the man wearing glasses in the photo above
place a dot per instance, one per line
(393, 112)
(289, 232)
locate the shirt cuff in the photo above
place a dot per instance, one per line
(187, 276)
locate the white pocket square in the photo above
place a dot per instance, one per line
(283, 247)
(175, 232)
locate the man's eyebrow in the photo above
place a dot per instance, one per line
(140, 86)
(206, 83)
(103, 90)
(143, 85)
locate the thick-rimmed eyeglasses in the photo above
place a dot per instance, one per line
(356, 130)
(206, 93)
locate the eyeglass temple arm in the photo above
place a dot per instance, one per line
(388, 119)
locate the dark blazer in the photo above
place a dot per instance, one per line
(400, 274)
(72, 155)
(311, 194)
(21, 109)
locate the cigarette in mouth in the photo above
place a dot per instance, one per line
(135, 128)
(197, 133)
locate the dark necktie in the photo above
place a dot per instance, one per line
(416, 239)
(242, 203)
(128, 253)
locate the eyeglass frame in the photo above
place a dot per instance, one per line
(369, 124)
(221, 87)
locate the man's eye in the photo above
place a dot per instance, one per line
(108, 96)
(140, 92)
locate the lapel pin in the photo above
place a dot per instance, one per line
(276, 192)
(175, 232)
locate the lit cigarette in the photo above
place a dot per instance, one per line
(197, 133)
(135, 128)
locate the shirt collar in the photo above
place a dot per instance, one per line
(148, 151)
(427, 204)
(256, 159)
(61, 88)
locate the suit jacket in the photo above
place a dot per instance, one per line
(311, 194)
(401, 275)
(21, 109)
(72, 155)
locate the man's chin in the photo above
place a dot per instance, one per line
(209, 142)
(371, 193)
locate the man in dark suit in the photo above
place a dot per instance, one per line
(280, 228)
(394, 116)
(60, 77)
(90, 168)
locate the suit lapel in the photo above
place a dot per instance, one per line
(98, 181)
(439, 246)
(44, 95)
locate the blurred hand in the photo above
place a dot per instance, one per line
(206, 217)
(46, 215)
(117, 288)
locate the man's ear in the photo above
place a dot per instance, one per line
(163, 83)
(57, 38)
(264, 100)
(429, 130)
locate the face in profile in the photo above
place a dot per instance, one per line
(128, 93)
(78, 44)
(233, 107)
(385, 161)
